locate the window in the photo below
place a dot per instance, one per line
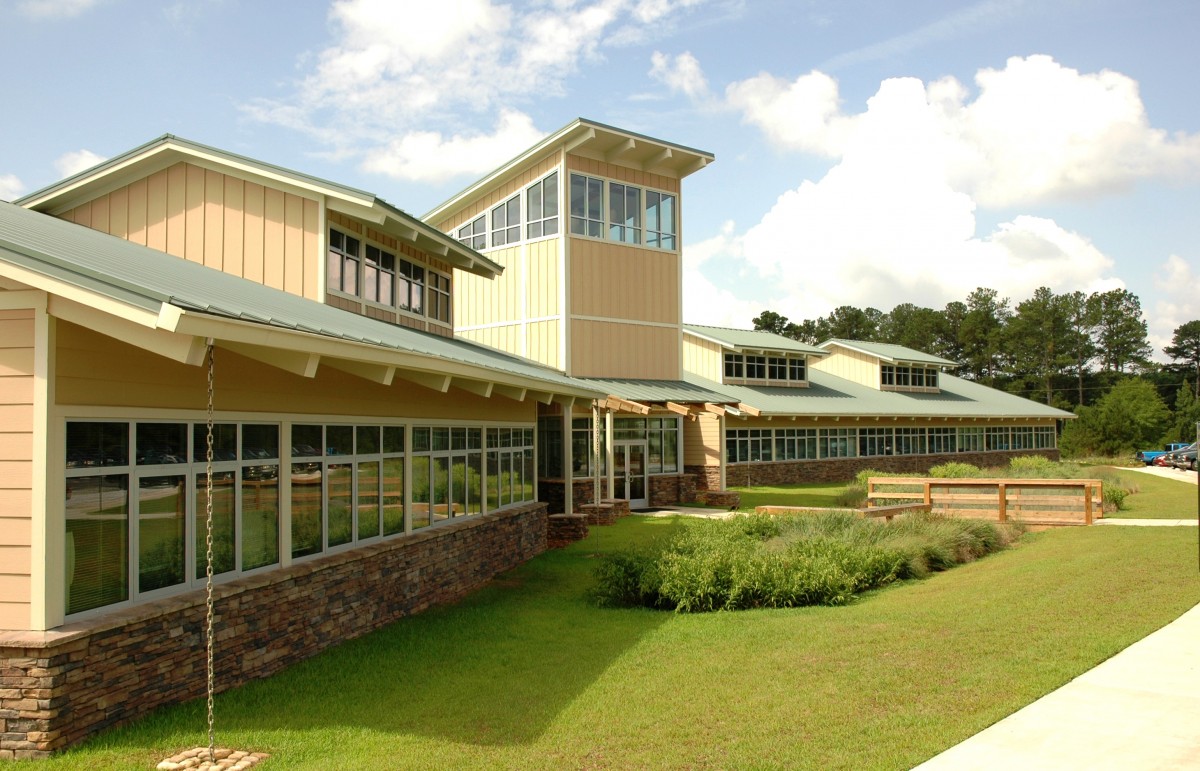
(624, 213)
(875, 441)
(997, 438)
(541, 207)
(135, 504)
(587, 206)
(439, 297)
(748, 444)
(902, 378)
(506, 222)
(510, 468)
(910, 441)
(970, 439)
(1044, 437)
(410, 288)
(795, 443)
(379, 275)
(474, 233)
(775, 369)
(343, 262)
(660, 220)
(942, 440)
(837, 442)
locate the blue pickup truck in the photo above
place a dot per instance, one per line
(1148, 456)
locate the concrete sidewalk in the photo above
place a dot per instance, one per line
(1138, 710)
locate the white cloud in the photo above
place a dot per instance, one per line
(886, 225)
(681, 74)
(10, 187)
(70, 164)
(399, 78)
(1177, 280)
(430, 156)
(804, 114)
(1036, 130)
(55, 9)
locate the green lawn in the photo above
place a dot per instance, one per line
(526, 674)
(1156, 497)
(822, 494)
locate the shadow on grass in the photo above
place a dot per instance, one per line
(493, 669)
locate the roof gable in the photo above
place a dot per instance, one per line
(752, 341)
(168, 150)
(888, 352)
(591, 139)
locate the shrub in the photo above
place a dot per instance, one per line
(954, 470)
(756, 561)
(853, 497)
(1035, 466)
(1115, 497)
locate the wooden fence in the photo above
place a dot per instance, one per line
(1041, 502)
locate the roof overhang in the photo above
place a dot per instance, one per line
(810, 351)
(182, 335)
(593, 140)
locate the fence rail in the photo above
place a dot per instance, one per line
(1051, 502)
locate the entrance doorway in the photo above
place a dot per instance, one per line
(629, 473)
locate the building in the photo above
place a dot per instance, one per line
(396, 405)
(366, 465)
(824, 413)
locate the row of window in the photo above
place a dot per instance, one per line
(782, 444)
(366, 271)
(136, 495)
(779, 369)
(634, 215)
(615, 211)
(899, 378)
(661, 436)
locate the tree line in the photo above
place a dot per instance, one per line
(1069, 350)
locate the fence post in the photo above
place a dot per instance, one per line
(870, 491)
(1087, 503)
(929, 494)
(1002, 496)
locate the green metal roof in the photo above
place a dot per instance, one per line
(146, 278)
(832, 396)
(753, 340)
(889, 352)
(678, 391)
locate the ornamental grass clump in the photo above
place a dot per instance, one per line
(775, 562)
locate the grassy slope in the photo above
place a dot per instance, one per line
(525, 674)
(1158, 498)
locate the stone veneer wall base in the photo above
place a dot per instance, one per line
(61, 686)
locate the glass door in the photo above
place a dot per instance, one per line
(629, 473)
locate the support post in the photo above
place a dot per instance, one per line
(1002, 501)
(568, 462)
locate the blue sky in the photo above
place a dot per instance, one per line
(868, 153)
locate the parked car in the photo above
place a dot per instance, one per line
(1149, 457)
(1184, 460)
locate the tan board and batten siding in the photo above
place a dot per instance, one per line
(702, 441)
(95, 370)
(17, 383)
(624, 350)
(861, 368)
(239, 227)
(703, 357)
